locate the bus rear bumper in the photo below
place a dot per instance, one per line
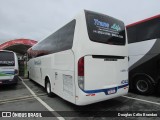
(9, 81)
(85, 99)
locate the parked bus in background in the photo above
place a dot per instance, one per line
(8, 67)
(144, 55)
(85, 61)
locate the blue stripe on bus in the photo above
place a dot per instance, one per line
(8, 72)
(105, 90)
(122, 86)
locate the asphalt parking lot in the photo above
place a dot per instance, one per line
(29, 96)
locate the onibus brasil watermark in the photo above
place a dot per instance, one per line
(21, 114)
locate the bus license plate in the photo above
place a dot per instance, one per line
(111, 91)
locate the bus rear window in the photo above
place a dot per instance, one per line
(105, 29)
(6, 59)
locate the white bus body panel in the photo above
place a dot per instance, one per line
(106, 74)
(59, 68)
(83, 46)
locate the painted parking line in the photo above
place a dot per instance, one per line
(42, 102)
(19, 98)
(156, 103)
(22, 97)
(16, 100)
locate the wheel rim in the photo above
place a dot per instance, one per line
(142, 85)
(48, 87)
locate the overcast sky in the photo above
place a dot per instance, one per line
(36, 19)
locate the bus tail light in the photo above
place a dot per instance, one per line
(81, 73)
(16, 72)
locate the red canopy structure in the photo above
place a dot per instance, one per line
(18, 45)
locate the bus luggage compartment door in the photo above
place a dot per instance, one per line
(102, 72)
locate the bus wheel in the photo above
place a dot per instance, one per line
(143, 85)
(48, 88)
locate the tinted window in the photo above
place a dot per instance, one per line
(59, 41)
(6, 59)
(105, 29)
(144, 31)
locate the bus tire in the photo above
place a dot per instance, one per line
(143, 85)
(48, 88)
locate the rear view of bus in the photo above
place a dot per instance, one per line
(101, 58)
(8, 68)
(85, 61)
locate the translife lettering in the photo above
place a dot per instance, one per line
(101, 24)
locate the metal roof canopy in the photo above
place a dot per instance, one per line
(19, 45)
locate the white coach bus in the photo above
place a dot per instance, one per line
(144, 55)
(8, 67)
(85, 61)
